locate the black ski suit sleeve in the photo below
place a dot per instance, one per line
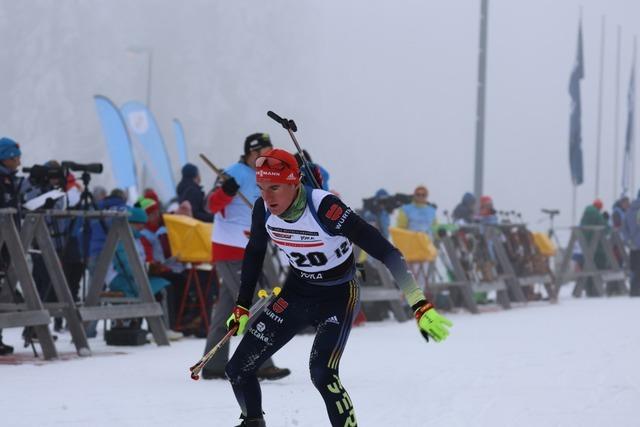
(339, 219)
(253, 255)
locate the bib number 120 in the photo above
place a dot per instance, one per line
(312, 258)
(317, 258)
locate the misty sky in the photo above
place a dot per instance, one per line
(383, 92)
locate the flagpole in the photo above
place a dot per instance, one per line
(633, 144)
(599, 131)
(573, 205)
(480, 104)
(616, 120)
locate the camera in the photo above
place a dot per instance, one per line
(42, 175)
(79, 167)
(387, 203)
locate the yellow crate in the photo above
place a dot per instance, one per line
(190, 239)
(414, 246)
(544, 244)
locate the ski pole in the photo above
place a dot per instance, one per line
(291, 127)
(223, 177)
(264, 300)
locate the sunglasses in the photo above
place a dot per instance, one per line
(420, 194)
(272, 163)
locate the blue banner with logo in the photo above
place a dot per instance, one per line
(575, 125)
(118, 142)
(145, 132)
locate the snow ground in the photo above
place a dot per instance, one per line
(570, 364)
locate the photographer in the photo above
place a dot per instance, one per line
(376, 209)
(465, 210)
(64, 231)
(374, 213)
(10, 186)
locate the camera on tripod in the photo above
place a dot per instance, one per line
(53, 174)
(46, 175)
(79, 167)
(386, 203)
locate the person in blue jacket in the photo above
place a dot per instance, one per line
(420, 214)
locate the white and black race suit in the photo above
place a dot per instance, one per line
(315, 254)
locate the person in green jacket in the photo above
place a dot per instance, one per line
(593, 217)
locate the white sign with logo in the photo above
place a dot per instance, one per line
(138, 122)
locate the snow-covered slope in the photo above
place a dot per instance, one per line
(571, 364)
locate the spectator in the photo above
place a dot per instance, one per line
(597, 203)
(464, 212)
(96, 237)
(631, 233)
(486, 212)
(123, 280)
(99, 193)
(189, 190)
(10, 187)
(155, 242)
(116, 201)
(375, 213)
(229, 239)
(150, 193)
(593, 217)
(419, 215)
(619, 210)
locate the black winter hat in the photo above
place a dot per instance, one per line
(256, 141)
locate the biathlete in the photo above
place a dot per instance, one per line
(317, 232)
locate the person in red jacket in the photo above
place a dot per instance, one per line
(232, 222)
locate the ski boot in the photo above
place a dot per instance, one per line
(251, 422)
(272, 373)
(5, 349)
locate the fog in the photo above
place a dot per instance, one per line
(384, 93)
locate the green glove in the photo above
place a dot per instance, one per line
(239, 317)
(430, 322)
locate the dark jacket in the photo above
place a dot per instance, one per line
(189, 190)
(464, 210)
(9, 188)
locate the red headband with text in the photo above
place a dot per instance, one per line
(278, 166)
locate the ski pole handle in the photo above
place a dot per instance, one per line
(291, 127)
(286, 123)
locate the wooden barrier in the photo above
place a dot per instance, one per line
(612, 276)
(34, 230)
(32, 312)
(144, 306)
(520, 261)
